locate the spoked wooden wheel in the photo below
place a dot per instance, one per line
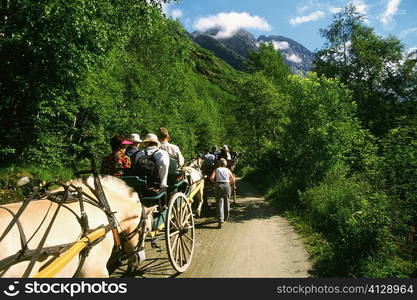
(180, 234)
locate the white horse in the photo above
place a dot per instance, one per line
(123, 201)
(195, 175)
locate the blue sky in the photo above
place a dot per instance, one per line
(296, 19)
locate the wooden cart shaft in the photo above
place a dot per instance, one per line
(60, 262)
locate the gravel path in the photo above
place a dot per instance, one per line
(256, 242)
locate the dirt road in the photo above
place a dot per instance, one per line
(256, 242)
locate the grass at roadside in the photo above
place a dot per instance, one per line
(12, 191)
(345, 226)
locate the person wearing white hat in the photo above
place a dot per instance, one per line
(133, 149)
(224, 153)
(161, 157)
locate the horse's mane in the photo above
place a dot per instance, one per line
(196, 163)
(195, 170)
(108, 182)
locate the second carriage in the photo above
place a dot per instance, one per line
(209, 186)
(173, 219)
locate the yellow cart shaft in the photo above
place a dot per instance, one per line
(59, 263)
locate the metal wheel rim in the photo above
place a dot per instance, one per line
(180, 232)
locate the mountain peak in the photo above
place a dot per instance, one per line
(280, 38)
(298, 57)
(236, 47)
(240, 41)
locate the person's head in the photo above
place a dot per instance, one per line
(222, 162)
(163, 134)
(151, 140)
(119, 142)
(225, 148)
(135, 139)
(214, 148)
(206, 150)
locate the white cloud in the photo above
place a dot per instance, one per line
(314, 5)
(309, 5)
(302, 9)
(308, 18)
(412, 54)
(176, 14)
(280, 45)
(229, 23)
(406, 32)
(334, 10)
(390, 11)
(277, 45)
(164, 7)
(387, 17)
(294, 58)
(169, 12)
(410, 50)
(361, 7)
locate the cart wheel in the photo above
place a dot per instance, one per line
(180, 233)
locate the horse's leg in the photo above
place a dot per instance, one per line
(205, 195)
(200, 200)
(205, 200)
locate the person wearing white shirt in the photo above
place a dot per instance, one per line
(152, 147)
(173, 150)
(225, 182)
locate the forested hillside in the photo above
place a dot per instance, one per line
(77, 73)
(336, 150)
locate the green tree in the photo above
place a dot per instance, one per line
(270, 62)
(263, 109)
(381, 77)
(322, 131)
(47, 49)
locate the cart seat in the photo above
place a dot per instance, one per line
(147, 196)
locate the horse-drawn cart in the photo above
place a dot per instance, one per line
(173, 219)
(75, 229)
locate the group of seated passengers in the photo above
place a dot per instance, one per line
(212, 159)
(126, 155)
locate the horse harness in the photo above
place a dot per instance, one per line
(70, 194)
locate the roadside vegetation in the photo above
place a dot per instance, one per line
(342, 165)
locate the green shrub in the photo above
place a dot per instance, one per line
(352, 217)
(284, 194)
(388, 266)
(256, 177)
(398, 170)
